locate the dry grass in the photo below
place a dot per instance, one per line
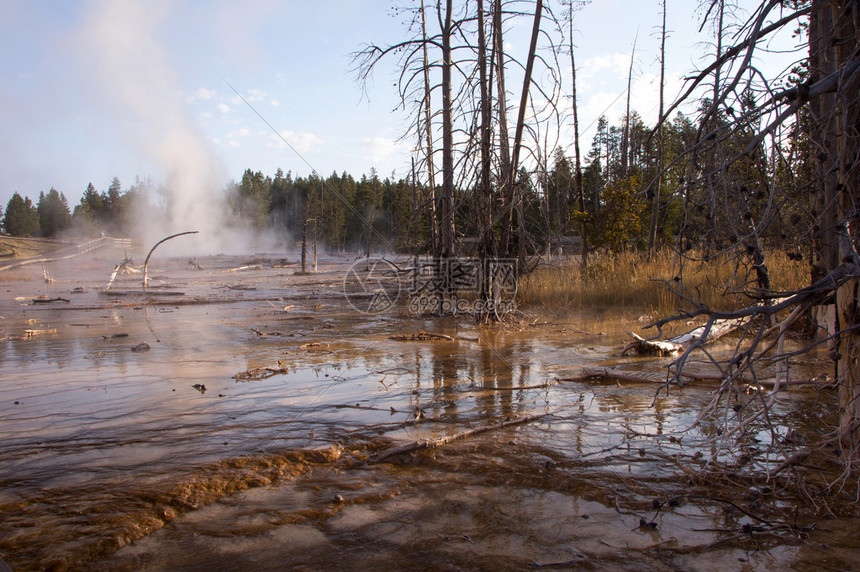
(630, 281)
(15, 247)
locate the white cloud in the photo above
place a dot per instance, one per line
(256, 95)
(377, 149)
(234, 144)
(201, 94)
(223, 107)
(274, 102)
(243, 132)
(617, 62)
(301, 142)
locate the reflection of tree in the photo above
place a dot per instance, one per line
(446, 367)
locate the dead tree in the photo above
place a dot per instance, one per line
(657, 185)
(580, 191)
(830, 94)
(481, 153)
(428, 134)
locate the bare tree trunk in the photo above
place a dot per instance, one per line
(446, 233)
(580, 191)
(822, 64)
(524, 95)
(505, 182)
(428, 133)
(304, 241)
(625, 136)
(834, 38)
(485, 185)
(655, 205)
(521, 121)
(485, 199)
(846, 123)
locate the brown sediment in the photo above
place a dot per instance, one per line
(67, 528)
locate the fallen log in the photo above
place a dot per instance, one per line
(49, 300)
(438, 442)
(704, 378)
(673, 346)
(820, 382)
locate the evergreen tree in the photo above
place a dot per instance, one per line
(282, 188)
(559, 190)
(254, 197)
(21, 218)
(92, 203)
(621, 221)
(111, 200)
(54, 215)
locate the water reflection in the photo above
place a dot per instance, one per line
(121, 441)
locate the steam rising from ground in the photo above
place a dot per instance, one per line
(123, 49)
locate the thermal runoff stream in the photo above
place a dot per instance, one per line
(239, 416)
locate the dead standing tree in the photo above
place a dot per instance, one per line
(471, 63)
(830, 94)
(572, 7)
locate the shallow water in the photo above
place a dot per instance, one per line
(113, 459)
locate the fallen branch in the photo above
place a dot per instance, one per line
(30, 334)
(434, 443)
(49, 300)
(615, 376)
(147, 293)
(265, 334)
(123, 267)
(258, 373)
(244, 268)
(609, 375)
(513, 388)
(421, 337)
(709, 377)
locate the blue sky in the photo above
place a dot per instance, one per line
(97, 89)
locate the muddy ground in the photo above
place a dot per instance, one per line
(238, 416)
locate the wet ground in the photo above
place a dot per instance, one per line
(237, 416)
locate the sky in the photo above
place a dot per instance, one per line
(96, 89)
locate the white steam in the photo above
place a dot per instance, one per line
(123, 49)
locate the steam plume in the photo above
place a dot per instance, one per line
(121, 44)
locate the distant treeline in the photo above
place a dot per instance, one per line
(387, 214)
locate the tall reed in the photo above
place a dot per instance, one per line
(631, 280)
